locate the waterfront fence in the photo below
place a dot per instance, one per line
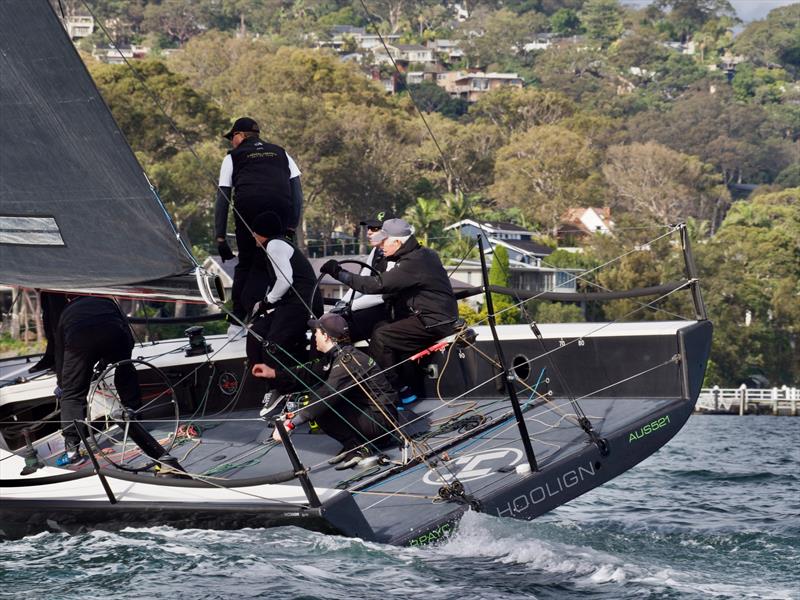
(743, 400)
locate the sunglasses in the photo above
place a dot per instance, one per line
(373, 229)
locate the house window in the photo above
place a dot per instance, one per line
(563, 278)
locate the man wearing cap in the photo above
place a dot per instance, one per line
(353, 402)
(421, 301)
(262, 176)
(364, 311)
(278, 296)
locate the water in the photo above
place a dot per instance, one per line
(715, 514)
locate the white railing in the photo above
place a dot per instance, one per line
(742, 400)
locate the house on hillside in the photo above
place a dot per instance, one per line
(517, 240)
(405, 53)
(579, 223)
(118, 55)
(521, 277)
(448, 50)
(79, 26)
(470, 86)
(431, 73)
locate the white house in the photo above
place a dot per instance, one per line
(517, 240)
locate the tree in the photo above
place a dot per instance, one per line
(688, 16)
(425, 216)
(433, 98)
(738, 139)
(515, 110)
(505, 34)
(663, 186)
(546, 170)
(146, 127)
(752, 265)
(499, 275)
(565, 21)
(467, 156)
(178, 20)
(602, 20)
(773, 40)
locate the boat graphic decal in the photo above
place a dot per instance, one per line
(228, 383)
(471, 467)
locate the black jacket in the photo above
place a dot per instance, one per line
(417, 285)
(343, 369)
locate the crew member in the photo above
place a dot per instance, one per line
(278, 296)
(364, 311)
(422, 306)
(94, 329)
(262, 177)
(357, 405)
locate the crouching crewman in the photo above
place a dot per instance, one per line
(357, 405)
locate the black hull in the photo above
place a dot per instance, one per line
(394, 506)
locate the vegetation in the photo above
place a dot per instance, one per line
(618, 116)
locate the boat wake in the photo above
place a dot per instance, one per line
(486, 558)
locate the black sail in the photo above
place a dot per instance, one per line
(76, 210)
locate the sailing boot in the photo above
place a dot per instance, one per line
(72, 456)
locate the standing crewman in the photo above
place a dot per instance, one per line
(364, 311)
(422, 306)
(256, 176)
(357, 402)
(90, 330)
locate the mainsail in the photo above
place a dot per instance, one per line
(76, 210)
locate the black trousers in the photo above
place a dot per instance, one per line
(285, 328)
(352, 427)
(108, 343)
(392, 342)
(247, 209)
(362, 322)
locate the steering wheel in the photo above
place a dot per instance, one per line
(110, 420)
(351, 262)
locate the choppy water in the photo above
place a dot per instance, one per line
(715, 514)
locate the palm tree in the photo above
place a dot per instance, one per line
(425, 216)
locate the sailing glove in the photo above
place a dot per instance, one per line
(224, 250)
(332, 268)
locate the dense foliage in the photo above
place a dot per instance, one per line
(612, 114)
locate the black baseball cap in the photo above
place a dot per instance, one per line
(243, 124)
(332, 324)
(378, 219)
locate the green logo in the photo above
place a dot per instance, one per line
(648, 429)
(380, 215)
(435, 535)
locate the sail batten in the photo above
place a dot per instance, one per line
(76, 209)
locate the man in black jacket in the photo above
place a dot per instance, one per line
(357, 405)
(89, 330)
(421, 302)
(257, 176)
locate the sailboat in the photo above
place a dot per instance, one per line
(511, 420)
